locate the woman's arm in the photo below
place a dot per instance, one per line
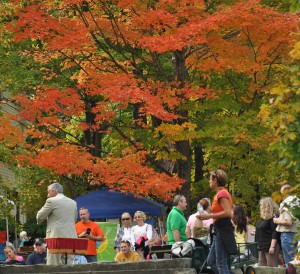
(226, 213)
(118, 240)
(149, 231)
(272, 246)
(246, 236)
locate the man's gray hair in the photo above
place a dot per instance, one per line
(177, 199)
(43, 245)
(57, 187)
(84, 208)
(285, 188)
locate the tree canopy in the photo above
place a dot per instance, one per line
(147, 96)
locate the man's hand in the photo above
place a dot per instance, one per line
(284, 222)
(99, 238)
(276, 221)
(89, 236)
(95, 238)
(82, 235)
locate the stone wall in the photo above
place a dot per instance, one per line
(182, 266)
(165, 266)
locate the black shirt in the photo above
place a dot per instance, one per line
(265, 232)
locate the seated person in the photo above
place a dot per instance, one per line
(126, 255)
(11, 255)
(38, 256)
(23, 238)
(80, 259)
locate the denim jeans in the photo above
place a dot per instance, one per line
(91, 258)
(218, 257)
(288, 245)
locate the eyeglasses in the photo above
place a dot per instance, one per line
(38, 244)
(125, 219)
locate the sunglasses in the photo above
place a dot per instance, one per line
(125, 219)
(215, 174)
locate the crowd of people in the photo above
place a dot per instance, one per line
(274, 233)
(223, 225)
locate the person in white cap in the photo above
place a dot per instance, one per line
(23, 238)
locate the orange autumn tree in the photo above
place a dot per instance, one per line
(121, 79)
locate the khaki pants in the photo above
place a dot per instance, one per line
(267, 259)
(59, 259)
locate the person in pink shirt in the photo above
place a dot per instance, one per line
(203, 207)
(11, 255)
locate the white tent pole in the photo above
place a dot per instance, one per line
(7, 232)
(16, 236)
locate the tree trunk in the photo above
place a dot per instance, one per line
(199, 163)
(184, 165)
(184, 168)
(92, 138)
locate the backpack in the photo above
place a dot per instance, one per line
(183, 249)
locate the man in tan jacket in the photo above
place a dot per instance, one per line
(61, 215)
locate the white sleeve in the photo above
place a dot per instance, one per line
(149, 232)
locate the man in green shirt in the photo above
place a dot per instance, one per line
(176, 222)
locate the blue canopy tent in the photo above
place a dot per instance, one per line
(106, 204)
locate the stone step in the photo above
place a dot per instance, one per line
(164, 266)
(147, 271)
(153, 266)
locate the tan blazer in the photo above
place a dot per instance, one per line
(61, 215)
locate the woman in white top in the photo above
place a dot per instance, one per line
(141, 229)
(124, 233)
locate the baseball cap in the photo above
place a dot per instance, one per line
(39, 241)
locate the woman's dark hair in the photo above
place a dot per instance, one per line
(239, 218)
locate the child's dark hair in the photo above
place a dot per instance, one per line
(240, 218)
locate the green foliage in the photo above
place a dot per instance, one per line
(11, 227)
(284, 115)
(233, 138)
(281, 5)
(34, 230)
(295, 5)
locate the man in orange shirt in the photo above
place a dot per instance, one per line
(90, 230)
